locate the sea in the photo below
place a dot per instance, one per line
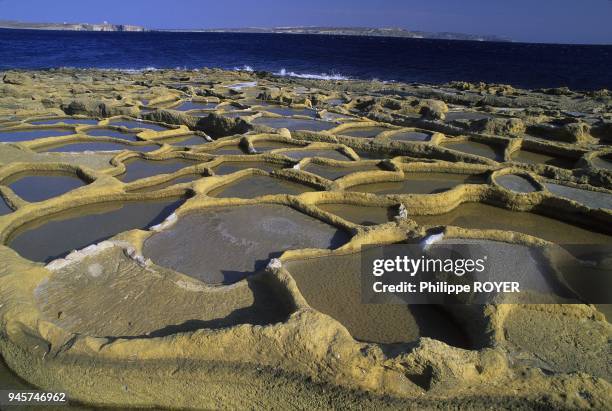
(525, 65)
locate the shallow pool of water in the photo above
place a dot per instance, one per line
(361, 214)
(466, 115)
(185, 142)
(264, 145)
(365, 132)
(206, 244)
(517, 183)
(4, 208)
(333, 173)
(88, 121)
(288, 111)
(322, 280)
(334, 101)
(410, 136)
(228, 167)
(532, 157)
(301, 154)
(492, 152)
(420, 183)
(141, 168)
(194, 105)
(138, 124)
(232, 149)
(589, 198)
(109, 132)
(256, 186)
(178, 180)
(603, 162)
(484, 216)
(98, 146)
(294, 123)
(57, 235)
(24, 135)
(39, 186)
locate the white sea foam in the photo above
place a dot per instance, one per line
(322, 76)
(244, 68)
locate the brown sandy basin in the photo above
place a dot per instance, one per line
(152, 303)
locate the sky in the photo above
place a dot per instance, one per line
(548, 21)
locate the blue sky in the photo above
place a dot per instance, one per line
(555, 21)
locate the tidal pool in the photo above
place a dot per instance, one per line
(490, 151)
(333, 173)
(228, 167)
(88, 121)
(532, 157)
(362, 215)
(589, 198)
(141, 168)
(138, 124)
(420, 183)
(97, 146)
(25, 135)
(517, 183)
(365, 132)
(322, 280)
(55, 236)
(484, 216)
(206, 244)
(301, 154)
(109, 132)
(36, 186)
(256, 186)
(294, 123)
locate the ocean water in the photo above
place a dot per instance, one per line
(335, 57)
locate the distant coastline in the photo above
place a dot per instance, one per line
(329, 31)
(351, 31)
(9, 24)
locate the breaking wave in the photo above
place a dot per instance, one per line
(322, 76)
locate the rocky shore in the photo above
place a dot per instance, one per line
(146, 261)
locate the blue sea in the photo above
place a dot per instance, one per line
(342, 57)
